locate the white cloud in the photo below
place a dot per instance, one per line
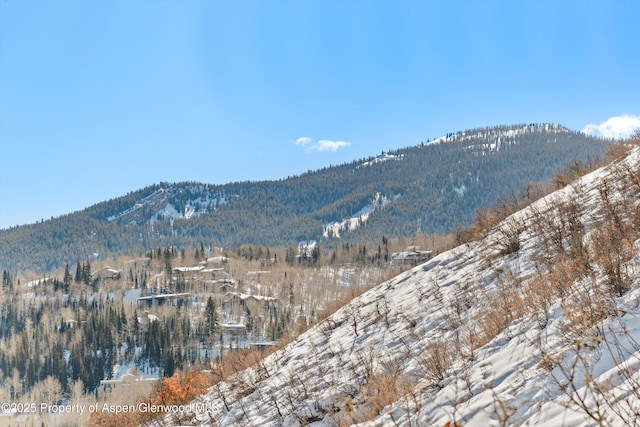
(326, 145)
(310, 145)
(304, 141)
(619, 127)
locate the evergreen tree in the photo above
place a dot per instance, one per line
(169, 363)
(249, 325)
(78, 278)
(211, 318)
(67, 278)
(7, 280)
(86, 272)
(315, 255)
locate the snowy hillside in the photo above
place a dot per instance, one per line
(501, 135)
(335, 228)
(536, 323)
(166, 203)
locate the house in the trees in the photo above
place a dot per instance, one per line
(128, 381)
(412, 257)
(233, 329)
(216, 261)
(106, 273)
(235, 299)
(175, 300)
(256, 310)
(186, 272)
(225, 285)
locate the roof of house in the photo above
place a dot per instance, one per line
(106, 270)
(250, 296)
(165, 296)
(187, 269)
(410, 255)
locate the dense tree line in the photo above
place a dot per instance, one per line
(86, 346)
(433, 187)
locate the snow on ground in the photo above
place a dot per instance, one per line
(158, 204)
(385, 157)
(334, 229)
(395, 330)
(498, 135)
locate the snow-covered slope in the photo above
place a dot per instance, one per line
(175, 201)
(500, 135)
(384, 157)
(335, 228)
(526, 326)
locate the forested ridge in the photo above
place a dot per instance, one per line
(436, 186)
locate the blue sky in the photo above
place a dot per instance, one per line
(100, 98)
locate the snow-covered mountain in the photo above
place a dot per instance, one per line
(537, 322)
(434, 187)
